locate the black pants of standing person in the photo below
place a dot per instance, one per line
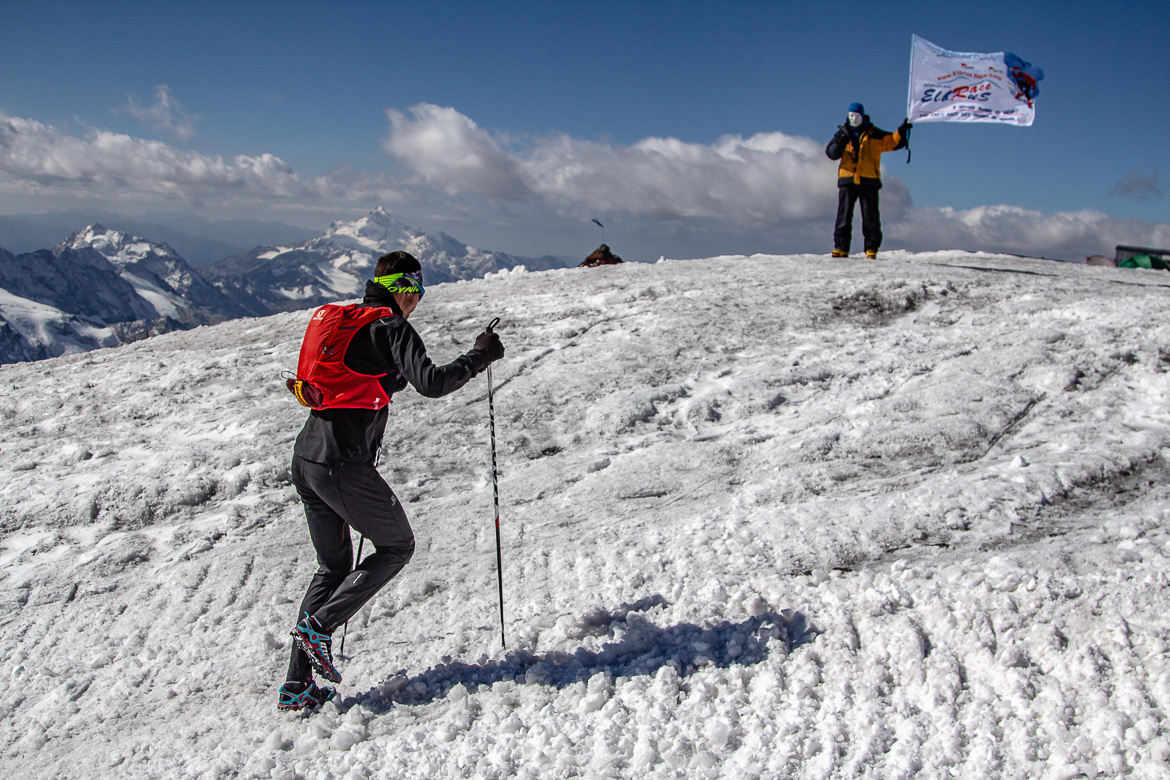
(871, 218)
(337, 498)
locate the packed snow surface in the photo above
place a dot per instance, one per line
(762, 517)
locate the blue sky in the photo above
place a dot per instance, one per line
(689, 128)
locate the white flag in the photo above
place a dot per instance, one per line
(951, 86)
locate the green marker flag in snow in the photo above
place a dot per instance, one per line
(951, 86)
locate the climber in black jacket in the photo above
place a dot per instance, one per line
(334, 471)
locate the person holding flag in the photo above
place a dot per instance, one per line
(859, 146)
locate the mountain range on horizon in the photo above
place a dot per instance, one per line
(335, 265)
(101, 287)
(199, 240)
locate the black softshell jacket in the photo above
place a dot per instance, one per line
(391, 346)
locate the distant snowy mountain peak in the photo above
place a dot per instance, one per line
(132, 287)
(158, 274)
(376, 233)
(121, 249)
(375, 230)
(335, 265)
(44, 314)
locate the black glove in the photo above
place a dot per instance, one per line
(488, 345)
(836, 148)
(905, 126)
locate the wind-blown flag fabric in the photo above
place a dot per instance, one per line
(950, 86)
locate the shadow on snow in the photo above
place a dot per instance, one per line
(639, 649)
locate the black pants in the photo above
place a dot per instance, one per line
(871, 218)
(338, 498)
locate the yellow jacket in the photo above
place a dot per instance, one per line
(866, 163)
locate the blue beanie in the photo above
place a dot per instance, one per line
(857, 107)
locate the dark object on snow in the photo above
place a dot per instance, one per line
(1101, 260)
(600, 256)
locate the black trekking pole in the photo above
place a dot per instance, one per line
(341, 649)
(496, 492)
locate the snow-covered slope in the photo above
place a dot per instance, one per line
(337, 264)
(762, 517)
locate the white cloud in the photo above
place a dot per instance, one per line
(164, 114)
(453, 154)
(38, 158)
(765, 179)
(769, 192)
(768, 178)
(40, 163)
(772, 191)
(1011, 229)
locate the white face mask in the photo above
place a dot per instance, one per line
(855, 119)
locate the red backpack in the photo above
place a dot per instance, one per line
(323, 381)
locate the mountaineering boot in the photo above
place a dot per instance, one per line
(297, 695)
(840, 253)
(871, 254)
(318, 646)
